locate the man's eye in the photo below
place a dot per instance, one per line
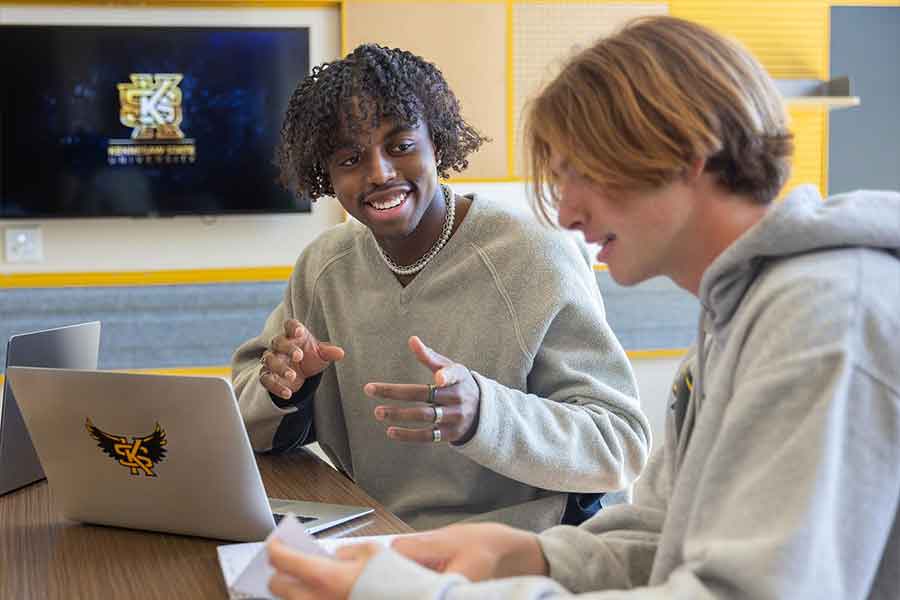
(403, 147)
(348, 162)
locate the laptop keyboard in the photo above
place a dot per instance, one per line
(301, 518)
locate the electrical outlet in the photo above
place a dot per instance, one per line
(24, 245)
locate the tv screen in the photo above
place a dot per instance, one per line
(139, 121)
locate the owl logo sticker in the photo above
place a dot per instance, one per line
(139, 455)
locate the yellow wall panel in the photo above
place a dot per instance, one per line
(809, 126)
(467, 41)
(790, 37)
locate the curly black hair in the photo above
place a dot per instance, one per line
(369, 84)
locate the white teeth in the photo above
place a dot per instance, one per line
(394, 200)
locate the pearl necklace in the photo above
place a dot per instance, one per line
(417, 266)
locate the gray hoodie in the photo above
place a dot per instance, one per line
(780, 473)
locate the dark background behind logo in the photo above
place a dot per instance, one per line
(59, 107)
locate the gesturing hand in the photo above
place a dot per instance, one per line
(448, 407)
(294, 356)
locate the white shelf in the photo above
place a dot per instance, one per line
(829, 102)
(831, 95)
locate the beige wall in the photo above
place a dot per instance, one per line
(467, 42)
(494, 54)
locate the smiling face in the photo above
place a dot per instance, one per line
(386, 178)
(643, 234)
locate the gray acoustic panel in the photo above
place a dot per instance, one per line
(864, 142)
(655, 314)
(149, 326)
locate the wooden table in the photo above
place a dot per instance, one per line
(43, 555)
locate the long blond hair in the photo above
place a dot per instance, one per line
(633, 111)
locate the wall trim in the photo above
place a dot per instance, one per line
(181, 3)
(141, 278)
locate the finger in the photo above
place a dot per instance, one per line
(277, 364)
(282, 346)
(405, 392)
(310, 570)
(451, 375)
(451, 415)
(424, 549)
(297, 338)
(361, 551)
(330, 352)
(427, 356)
(285, 586)
(276, 385)
(419, 436)
(293, 328)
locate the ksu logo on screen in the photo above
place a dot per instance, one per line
(139, 455)
(151, 105)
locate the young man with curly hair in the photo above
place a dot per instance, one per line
(522, 408)
(779, 477)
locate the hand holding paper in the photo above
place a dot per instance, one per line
(246, 567)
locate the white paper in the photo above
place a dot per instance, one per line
(253, 581)
(246, 568)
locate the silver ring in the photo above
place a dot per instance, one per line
(435, 435)
(438, 413)
(431, 390)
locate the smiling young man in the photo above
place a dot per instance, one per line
(522, 408)
(779, 477)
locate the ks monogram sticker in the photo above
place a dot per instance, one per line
(139, 455)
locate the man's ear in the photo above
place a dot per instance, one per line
(694, 170)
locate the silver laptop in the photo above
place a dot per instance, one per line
(71, 347)
(159, 452)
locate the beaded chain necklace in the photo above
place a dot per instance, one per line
(412, 269)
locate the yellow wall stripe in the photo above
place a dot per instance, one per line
(455, 179)
(217, 371)
(214, 371)
(184, 3)
(510, 93)
(138, 278)
(343, 17)
(656, 354)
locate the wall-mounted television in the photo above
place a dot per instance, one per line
(102, 121)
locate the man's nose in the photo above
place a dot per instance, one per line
(381, 169)
(568, 213)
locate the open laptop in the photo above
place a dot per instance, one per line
(160, 452)
(71, 347)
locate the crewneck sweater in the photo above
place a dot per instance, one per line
(514, 301)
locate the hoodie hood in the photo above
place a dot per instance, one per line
(802, 222)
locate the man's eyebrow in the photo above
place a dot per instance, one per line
(346, 145)
(400, 128)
